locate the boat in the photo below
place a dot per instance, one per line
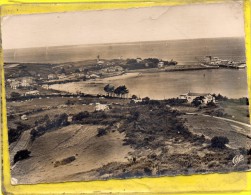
(217, 62)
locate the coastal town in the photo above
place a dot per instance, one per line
(59, 129)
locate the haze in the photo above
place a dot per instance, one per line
(130, 25)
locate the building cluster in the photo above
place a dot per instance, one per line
(204, 97)
(23, 82)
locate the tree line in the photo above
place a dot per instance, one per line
(120, 91)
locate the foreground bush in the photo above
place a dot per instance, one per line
(101, 132)
(80, 116)
(64, 161)
(219, 142)
(22, 154)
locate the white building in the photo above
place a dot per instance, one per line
(45, 86)
(15, 84)
(61, 76)
(138, 60)
(161, 64)
(27, 81)
(100, 107)
(207, 97)
(35, 92)
(94, 76)
(52, 76)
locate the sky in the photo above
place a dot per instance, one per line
(128, 25)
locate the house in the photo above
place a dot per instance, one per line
(27, 81)
(45, 86)
(113, 69)
(100, 62)
(138, 60)
(61, 76)
(30, 93)
(80, 75)
(207, 97)
(100, 107)
(136, 100)
(52, 76)
(15, 84)
(94, 76)
(160, 64)
(24, 117)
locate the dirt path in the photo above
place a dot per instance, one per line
(21, 144)
(225, 119)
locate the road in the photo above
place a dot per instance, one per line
(242, 131)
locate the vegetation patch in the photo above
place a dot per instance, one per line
(64, 161)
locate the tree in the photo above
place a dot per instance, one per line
(123, 90)
(109, 89)
(80, 116)
(117, 91)
(134, 97)
(197, 101)
(146, 100)
(173, 62)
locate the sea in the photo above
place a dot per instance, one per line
(186, 52)
(160, 85)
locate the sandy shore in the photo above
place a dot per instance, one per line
(93, 86)
(123, 76)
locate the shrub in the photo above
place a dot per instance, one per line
(196, 102)
(175, 101)
(147, 171)
(64, 161)
(101, 132)
(80, 116)
(13, 135)
(21, 154)
(15, 95)
(135, 114)
(134, 97)
(211, 104)
(219, 142)
(22, 126)
(220, 97)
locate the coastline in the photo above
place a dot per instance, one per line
(174, 68)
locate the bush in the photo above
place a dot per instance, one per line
(80, 116)
(220, 97)
(211, 104)
(101, 132)
(13, 135)
(15, 95)
(197, 102)
(219, 142)
(134, 97)
(64, 161)
(135, 114)
(21, 154)
(175, 101)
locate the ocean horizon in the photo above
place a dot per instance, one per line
(185, 51)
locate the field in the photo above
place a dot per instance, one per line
(152, 138)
